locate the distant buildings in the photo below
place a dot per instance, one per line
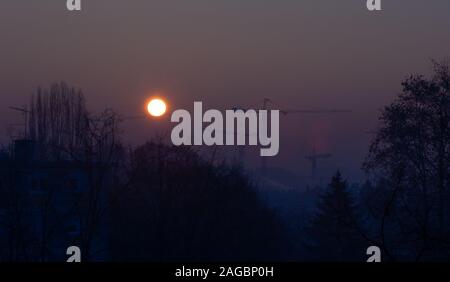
(44, 205)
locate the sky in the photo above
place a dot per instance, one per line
(313, 54)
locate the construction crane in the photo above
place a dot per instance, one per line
(267, 101)
(285, 112)
(313, 157)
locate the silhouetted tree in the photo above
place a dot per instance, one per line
(334, 231)
(66, 133)
(177, 206)
(58, 120)
(411, 152)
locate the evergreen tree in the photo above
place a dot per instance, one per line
(334, 231)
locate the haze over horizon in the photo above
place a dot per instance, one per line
(302, 54)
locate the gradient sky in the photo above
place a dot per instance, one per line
(311, 54)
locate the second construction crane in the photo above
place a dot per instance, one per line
(314, 157)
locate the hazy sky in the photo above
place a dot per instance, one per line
(311, 54)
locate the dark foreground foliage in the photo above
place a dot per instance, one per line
(180, 207)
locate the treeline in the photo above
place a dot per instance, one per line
(159, 202)
(178, 207)
(404, 207)
(156, 202)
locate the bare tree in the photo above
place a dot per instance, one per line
(58, 120)
(412, 151)
(64, 131)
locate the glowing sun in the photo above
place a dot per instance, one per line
(156, 107)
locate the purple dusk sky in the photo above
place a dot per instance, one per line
(311, 54)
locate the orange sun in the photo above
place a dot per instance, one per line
(156, 107)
